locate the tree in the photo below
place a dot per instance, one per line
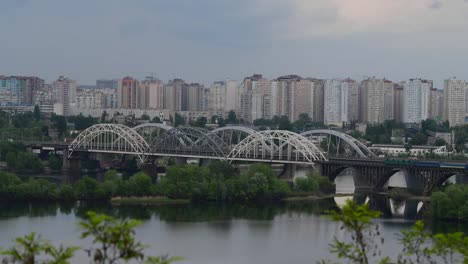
(61, 124)
(201, 122)
(419, 139)
(114, 239)
(55, 163)
(284, 124)
(156, 119)
(30, 248)
(232, 118)
(440, 142)
(37, 113)
(145, 117)
(104, 116)
(179, 120)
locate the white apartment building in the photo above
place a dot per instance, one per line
(64, 90)
(335, 102)
(416, 105)
(454, 101)
(372, 100)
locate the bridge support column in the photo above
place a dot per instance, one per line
(180, 161)
(292, 171)
(204, 162)
(366, 178)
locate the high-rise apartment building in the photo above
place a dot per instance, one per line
(255, 99)
(436, 109)
(129, 91)
(319, 93)
(176, 95)
(454, 101)
(398, 102)
(352, 88)
(303, 97)
(217, 99)
(336, 102)
(195, 97)
(389, 100)
(19, 90)
(372, 100)
(151, 94)
(64, 90)
(232, 95)
(417, 100)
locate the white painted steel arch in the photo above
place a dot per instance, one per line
(233, 135)
(111, 138)
(153, 125)
(188, 141)
(360, 148)
(277, 145)
(244, 129)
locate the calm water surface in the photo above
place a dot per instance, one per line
(292, 233)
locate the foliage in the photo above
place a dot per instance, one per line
(24, 161)
(37, 113)
(418, 245)
(114, 239)
(356, 219)
(440, 142)
(314, 183)
(232, 118)
(419, 139)
(201, 122)
(156, 119)
(55, 163)
(451, 204)
(32, 249)
(221, 182)
(179, 120)
(382, 133)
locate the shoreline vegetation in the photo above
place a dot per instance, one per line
(219, 182)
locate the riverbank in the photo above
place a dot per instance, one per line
(147, 200)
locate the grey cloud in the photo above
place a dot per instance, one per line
(436, 4)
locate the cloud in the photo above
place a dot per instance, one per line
(331, 17)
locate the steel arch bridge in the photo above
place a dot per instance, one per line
(228, 143)
(110, 138)
(188, 142)
(277, 146)
(149, 131)
(233, 135)
(352, 146)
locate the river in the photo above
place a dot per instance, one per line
(209, 234)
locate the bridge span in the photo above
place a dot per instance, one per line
(316, 148)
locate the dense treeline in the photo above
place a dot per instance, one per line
(220, 181)
(450, 204)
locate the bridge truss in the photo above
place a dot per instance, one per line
(336, 143)
(229, 143)
(110, 138)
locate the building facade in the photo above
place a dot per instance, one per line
(454, 101)
(417, 100)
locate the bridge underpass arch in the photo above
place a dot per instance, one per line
(344, 178)
(337, 143)
(110, 138)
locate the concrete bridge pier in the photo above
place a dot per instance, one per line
(180, 161)
(292, 171)
(204, 162)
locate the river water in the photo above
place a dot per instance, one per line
(209, 234)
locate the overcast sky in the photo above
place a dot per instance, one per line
(208, 40)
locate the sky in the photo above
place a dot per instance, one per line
(209, 40)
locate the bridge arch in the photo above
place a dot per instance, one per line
(188, 141)
(112, 138)
(233, 135)
(277, 145)
(360, 149)
(149, 131)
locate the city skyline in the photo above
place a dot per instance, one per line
(212, 40)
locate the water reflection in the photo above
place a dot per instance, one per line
(169, 213)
